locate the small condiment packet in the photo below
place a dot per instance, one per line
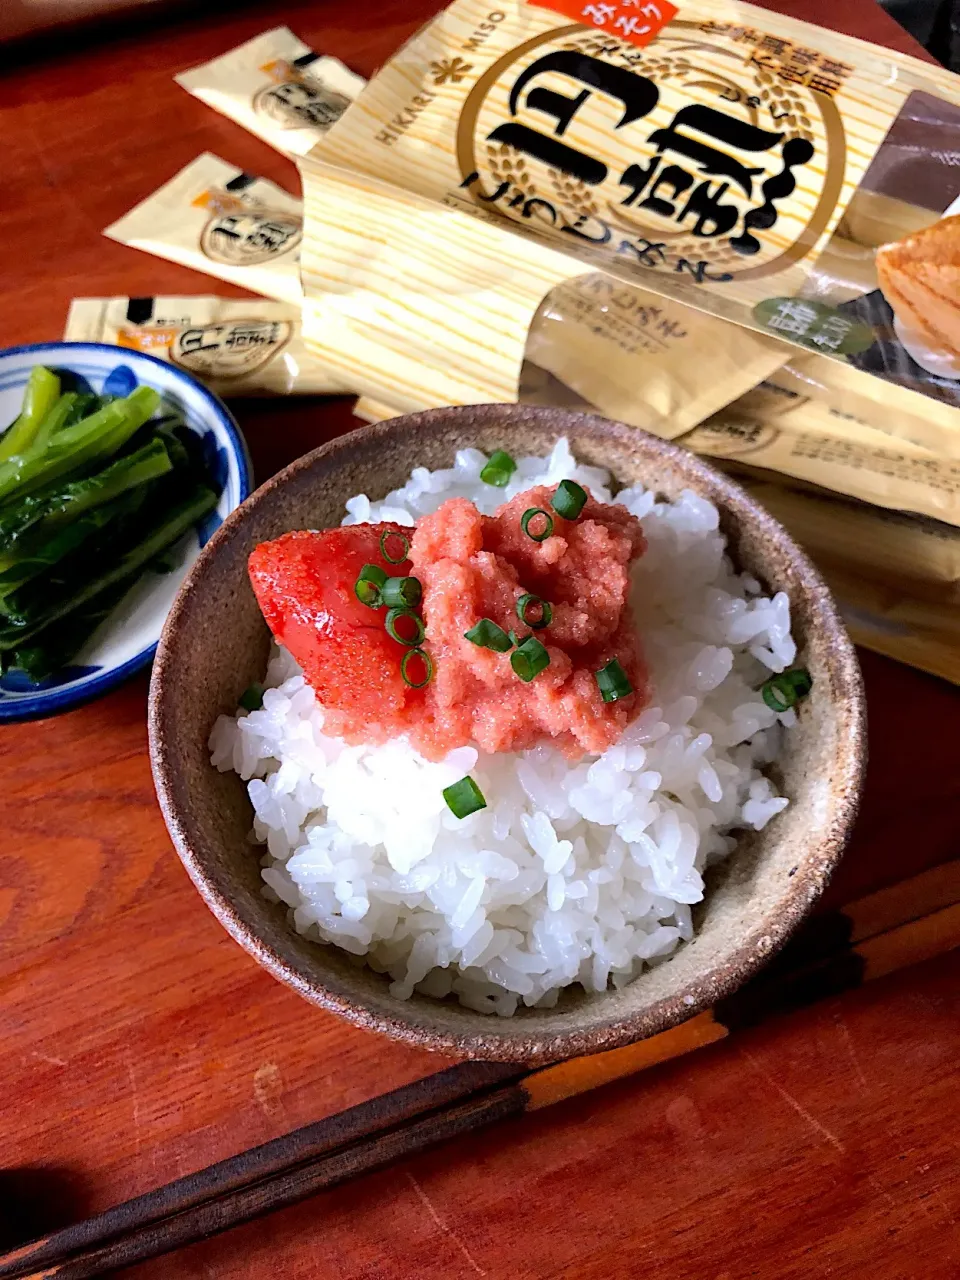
(643, 359)
(891, 407)
(837, 453)
(237, 346)
(225, 223)
(896, 577)
(278, 88)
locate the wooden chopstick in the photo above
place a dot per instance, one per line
(882, 932)
(299, 1147)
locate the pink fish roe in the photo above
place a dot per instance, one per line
(473, 567)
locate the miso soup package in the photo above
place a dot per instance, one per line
(641, 358)
(896, 578)
(763, 171)
(237, 346)
(850, 393)
(278, 88)
(217, 219)
(837, 452)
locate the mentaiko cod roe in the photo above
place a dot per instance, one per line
(471, 567)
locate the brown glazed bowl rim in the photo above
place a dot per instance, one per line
(728, 972)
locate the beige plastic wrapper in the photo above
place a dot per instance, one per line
(820, 447)
(278, 88)
(795, 181)
(237, 346)
(892, 409)
(819, 450)
(419, 307)
(368, 410)
(641, 358)
(226, 223)
(896, 577)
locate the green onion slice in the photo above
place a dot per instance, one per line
(392, 533)
(252, 697)
(412, 639)
(427, 661)
(367, 587)
(569, 500)
(487, 635)
(531, 514)
(402, 592)
(526, 603)
(785, 690)
(464, 798)
(500, 467)
(529, 659)
(613, 682)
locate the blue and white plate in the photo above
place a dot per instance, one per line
(127, 639)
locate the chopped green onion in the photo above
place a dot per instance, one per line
(252, 698)
(427, 667)
(464, 798)
(527, 602)
(392, 533)
(531, 514)
(784, 691)
(368, 586)
(419, 630)
(569, 500)
(500, 467)
(401, 591)
(529, 659)
(513, 638)
(801, 680)
(487, 635)
(613, 682)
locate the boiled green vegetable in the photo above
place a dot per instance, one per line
(76, 448)
(92, 495)
(53, 648)
(26, 525)
(43, 389)
(58, 545)
(70, 593)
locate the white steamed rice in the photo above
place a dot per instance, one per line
(574, 872)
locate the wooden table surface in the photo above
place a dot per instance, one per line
(140, 1043)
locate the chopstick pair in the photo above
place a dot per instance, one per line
(913, 921)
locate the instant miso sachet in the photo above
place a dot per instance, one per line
(896, 577)
(278, 88)
(237, 346)
(217, 219)
(796, 182)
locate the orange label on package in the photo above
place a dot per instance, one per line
(636, 21)
(217, 200)
(143, 339)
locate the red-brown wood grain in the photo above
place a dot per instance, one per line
(140, 1043)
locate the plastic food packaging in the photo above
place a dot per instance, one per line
(641, 358)
(237, 346)
(761, 170)
(839, 453)
(896, 577)
(851, 393)
(278, 88)
(217, 219)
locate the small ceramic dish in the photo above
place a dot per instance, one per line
(215, 644)
(128, 639)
